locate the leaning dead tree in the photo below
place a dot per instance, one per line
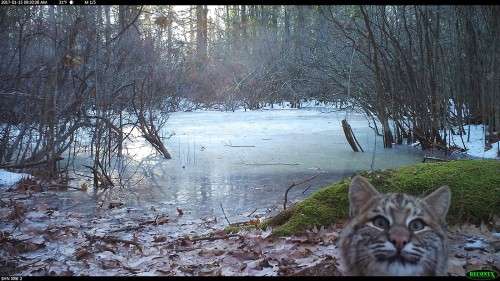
(351, 138)
(149, 122)
(150, 132)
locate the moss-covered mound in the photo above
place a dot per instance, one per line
(475, 186)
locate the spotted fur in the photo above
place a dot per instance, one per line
(394, 234)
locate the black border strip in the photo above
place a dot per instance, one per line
(247, 2)
(316, 278)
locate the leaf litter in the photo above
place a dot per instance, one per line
(38, 238)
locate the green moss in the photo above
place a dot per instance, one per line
(475, 186)
(235, 229)
(232, 229)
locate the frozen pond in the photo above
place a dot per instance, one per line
(246, 160)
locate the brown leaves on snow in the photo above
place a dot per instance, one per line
(16, 246)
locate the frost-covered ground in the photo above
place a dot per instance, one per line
(46, 239)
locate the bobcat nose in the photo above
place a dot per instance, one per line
(399, 237)
(399, 242)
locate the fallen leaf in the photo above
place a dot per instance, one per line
(185, 242)
(159, 238)
(211, 252)
(17, 212)
(109, 264)
(112, 205)
(244, 254)
(81, 253)
(27, 246)
(168, 272)
(161, 220)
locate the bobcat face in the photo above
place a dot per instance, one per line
(394, 233)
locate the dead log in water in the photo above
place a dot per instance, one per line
(351, 138)
(434, 159)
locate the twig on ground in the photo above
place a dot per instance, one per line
(212, 238)
(57, 185)
(128, 228)
(135, 227)
(252, 212)
(231, 145)
(271, 164)
(24, 266)
(112, 239)
(434, 159)
(239, 145)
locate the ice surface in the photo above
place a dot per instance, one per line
(246, 160)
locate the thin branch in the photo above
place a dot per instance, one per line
(126, 27)
(225, 214)
(295, 184)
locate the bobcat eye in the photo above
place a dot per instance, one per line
(416, 225)
(380, 221)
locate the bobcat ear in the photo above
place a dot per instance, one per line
(360, 192)
(439, 201)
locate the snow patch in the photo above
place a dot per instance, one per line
(8, 179)
(475, 146)
(475, 244)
